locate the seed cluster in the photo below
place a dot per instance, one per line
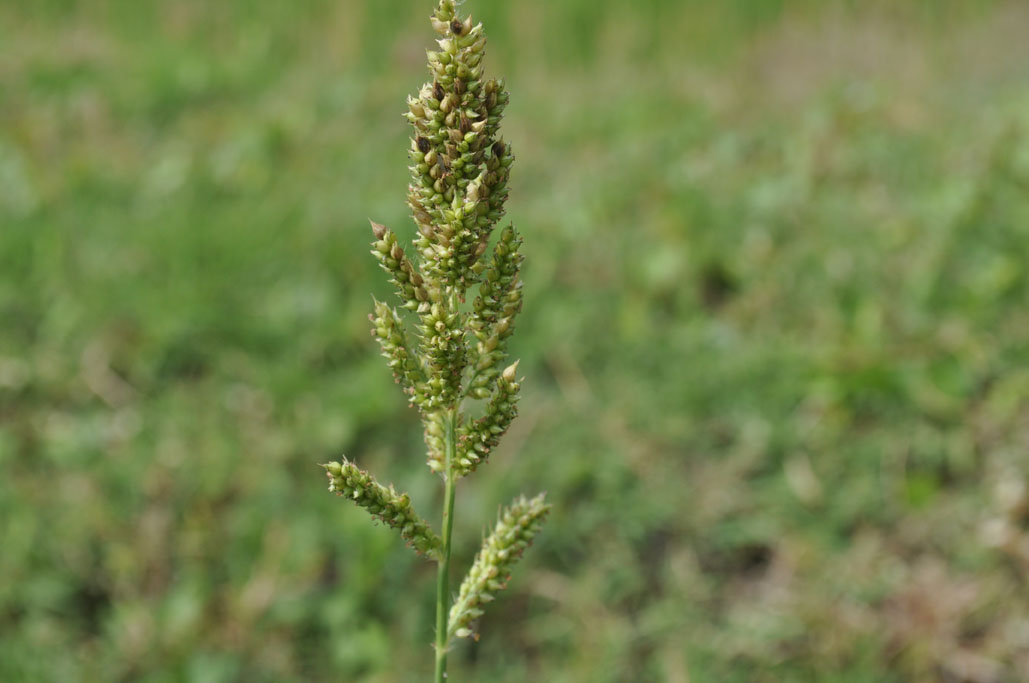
(383, 503)
(492, 567)
(478, 438)
(459, 175)
(459, 167)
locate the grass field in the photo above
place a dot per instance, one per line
(775, 338)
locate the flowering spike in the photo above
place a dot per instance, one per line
(459, 169)
(478, 438)
(388, 328)
(443, 349)
(435, 441)
(494, 310)
(409, 283)
(492, 567)
(393, 508)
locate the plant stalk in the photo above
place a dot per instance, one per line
(443, 573)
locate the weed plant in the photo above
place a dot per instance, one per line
(459, 175)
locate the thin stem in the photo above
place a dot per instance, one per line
(443, 574)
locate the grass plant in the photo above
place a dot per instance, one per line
(460, 167)
(775, 343)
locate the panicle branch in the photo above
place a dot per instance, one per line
(492, 568)
(492, 319)
(478, 438)
(388, 328)
(409, 283)
(383, 503)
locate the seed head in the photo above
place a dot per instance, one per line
(383, 503)
(492, 568)
(457, 350)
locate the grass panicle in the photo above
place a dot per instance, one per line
(456, 349)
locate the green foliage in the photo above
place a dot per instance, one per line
(775, 343)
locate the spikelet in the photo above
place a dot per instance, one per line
(492, 568)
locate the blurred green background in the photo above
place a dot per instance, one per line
(776, 342)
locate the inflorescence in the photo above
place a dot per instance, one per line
(455, 352)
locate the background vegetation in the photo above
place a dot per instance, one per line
(776, 342)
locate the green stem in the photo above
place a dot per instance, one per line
(443, 574)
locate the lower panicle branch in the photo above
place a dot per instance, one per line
(384, 503)
(492, 568)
